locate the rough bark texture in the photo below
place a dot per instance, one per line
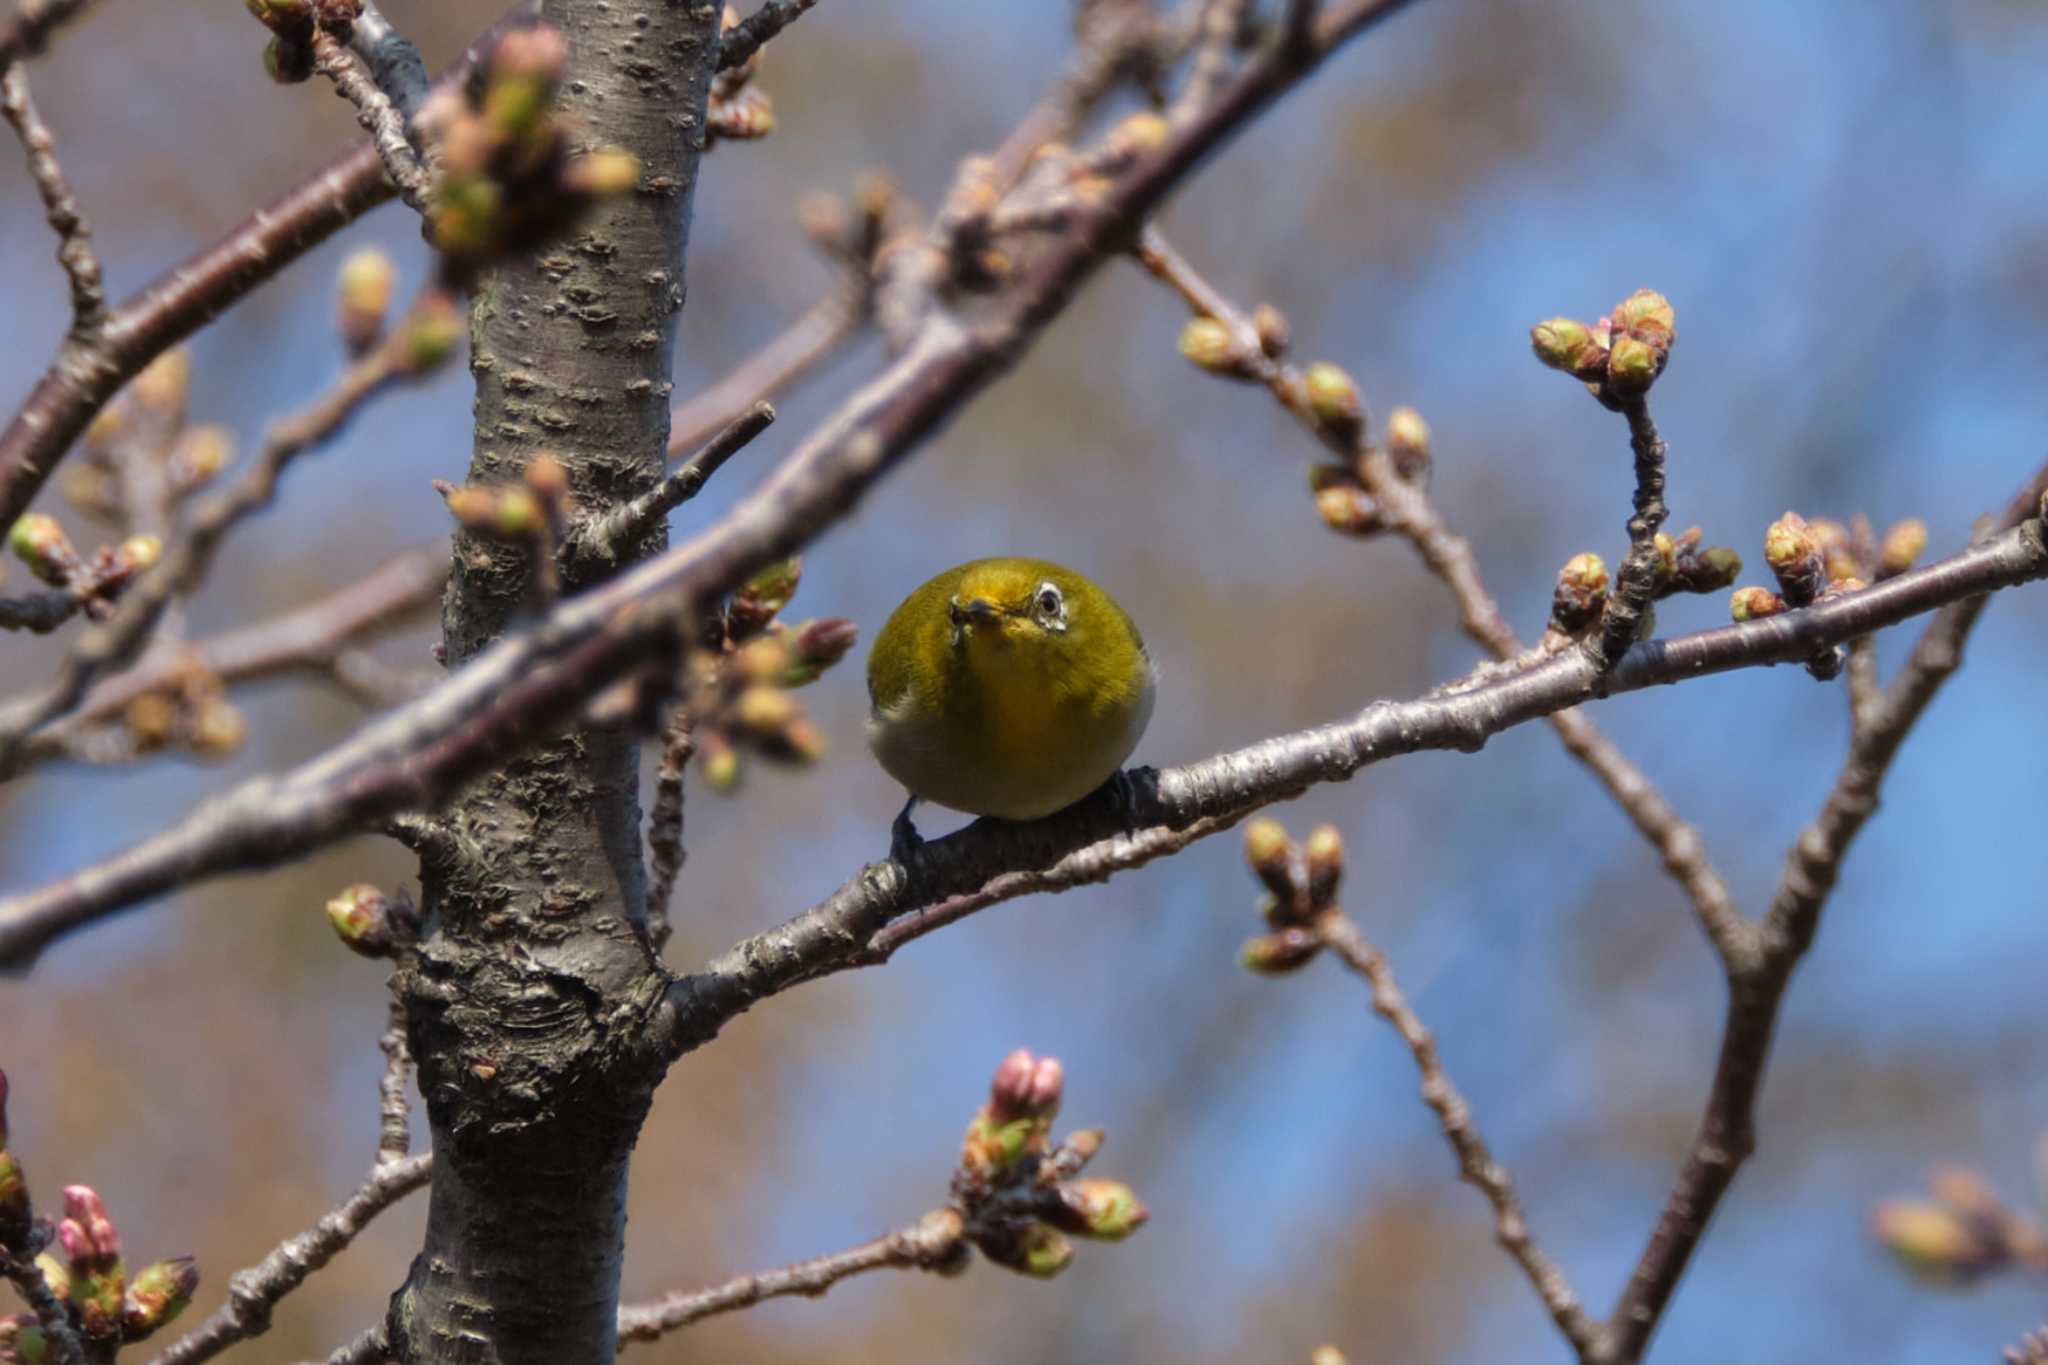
(526, 1002)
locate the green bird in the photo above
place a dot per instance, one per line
(1006, 687)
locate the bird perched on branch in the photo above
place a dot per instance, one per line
(1006, 687)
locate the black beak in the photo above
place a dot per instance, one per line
(978, 610)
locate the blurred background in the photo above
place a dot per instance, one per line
(1844, 199)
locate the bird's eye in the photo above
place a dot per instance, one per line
(1049, 600)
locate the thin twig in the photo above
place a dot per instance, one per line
(1219, 27)
(65, 1347)
(113, 643)
(394, 1098)
(376, 115)
(83, 377)
(625, 525)
(515, 692)
(1409, 511)
(931, 1241)
(743, 40)
(370, 1347)
(312, 637)
(34, 22)
(1636, 583)
(665, 826)
(74, 235)
(255, 1292)
(1476, 1165)
(889, 903)
(39, 612)
(1727, 1131)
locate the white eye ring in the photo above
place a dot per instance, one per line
(1052, 608)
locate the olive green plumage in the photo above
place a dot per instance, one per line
(1007, 687)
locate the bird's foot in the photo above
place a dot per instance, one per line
(904, 840)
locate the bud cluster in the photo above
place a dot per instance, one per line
(737, 687)
(1960, 1233)
(1301, 883)
(1817, 559)
(140, 451)
(92, 582)
(1619, 356)
(83, 1270)
(192, 712)
(1019, 1194)
(508, 181)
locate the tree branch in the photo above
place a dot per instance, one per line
(665, 826)
(1727, 1133)
(74, 235)
(314, 636)
(622, 526)
(1476, 1165)
(1406, 508)
(113, 643)
(29, 34)
(741, 42)
(931, 1241)
(887, 904)
(85, 375)
(1636, 584)
(255, 1292)
(376, 113)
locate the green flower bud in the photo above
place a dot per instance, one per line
(363, 299)
(14, 1204)
(1324, 856)
(1349, 511)
(718, 761)
(1283, 950)
(1211, 345)
(427, 335)
(1105, 1209)
(1933, 1241)
(1271, 325)
(1647, 316)
(1333, 399)
(517, 514)
(762, 596)
(1795, 555)
(1581, 593)
(1632, 365)
(370, 922)
(1568, 345)
(200, 454)
(605, 173)
(1905, 542)
(1043, 1253)
(56, 1275)
(22, 1341)
(42, 545)
(218, 728)
(1753, 604)
(161, 1290)
(1408, 443)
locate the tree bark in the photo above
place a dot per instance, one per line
(527, 999)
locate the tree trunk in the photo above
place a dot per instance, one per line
(528, 995)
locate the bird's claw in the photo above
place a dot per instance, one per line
(904, 840)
